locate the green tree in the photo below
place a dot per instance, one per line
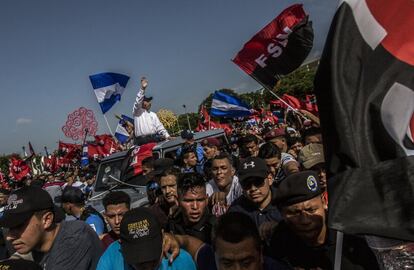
(182, 121)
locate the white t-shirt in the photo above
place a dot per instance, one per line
(234, 192)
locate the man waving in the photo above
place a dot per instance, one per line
(148, 128)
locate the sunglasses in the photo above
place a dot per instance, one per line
(257, 182)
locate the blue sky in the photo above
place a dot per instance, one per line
(49, 48)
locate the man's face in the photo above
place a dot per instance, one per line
(317, 138)
(191, 160)
(169, 188)
(194, 203)
(3, 199)
(67, 207)
(252, 149)
(113, 215)
(28, 236)
(146, 105)
(90, 181)
(296, 147)
(209, 151)
(280, 142)
(258, 190)
(273, 164)
(321, 171)
(146, 169)
(306, 219)
(241, 256)
(222, 172)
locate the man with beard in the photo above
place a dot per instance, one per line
(303, 239)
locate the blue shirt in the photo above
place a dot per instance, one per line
(112, 259)
(96, 224)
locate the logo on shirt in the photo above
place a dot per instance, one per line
(311, 183)
(13, 202)
(139, 229)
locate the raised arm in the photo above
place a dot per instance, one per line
(137, 109)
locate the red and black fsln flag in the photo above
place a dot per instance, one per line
(365, 92)
(279, 48)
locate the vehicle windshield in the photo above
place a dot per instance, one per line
(104, 179)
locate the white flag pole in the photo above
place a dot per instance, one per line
(110, 130)
(338, 250)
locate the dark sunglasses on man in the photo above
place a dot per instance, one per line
(247, 184)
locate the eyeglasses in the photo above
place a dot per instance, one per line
(257, 182)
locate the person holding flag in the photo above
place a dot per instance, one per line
(148, 128)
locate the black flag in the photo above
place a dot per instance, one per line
(365, 92)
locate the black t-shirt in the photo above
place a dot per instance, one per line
(201, 230)
(286, 246)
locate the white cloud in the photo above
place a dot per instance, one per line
(23, 121)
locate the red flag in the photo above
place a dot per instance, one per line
(132, 164)
(365, 90)
(310, 104)
(50, 163)
(104, 146)
(204, 116)
(279, 48)
(18, 169)
(292, 101)
(69, 150)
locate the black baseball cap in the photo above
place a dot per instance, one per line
(297, 187)
(147, 98)
(141, 236)
(24, 202)
(252, 168)
(187, 134)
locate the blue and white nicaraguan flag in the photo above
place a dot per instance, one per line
(225, 105)
(121, 133)
(85, 157)
(108, 88)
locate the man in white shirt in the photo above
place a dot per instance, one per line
(224, 188)
(148, 128)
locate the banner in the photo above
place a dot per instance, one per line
(365, 91)
(279, 48)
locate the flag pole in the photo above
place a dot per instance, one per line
(107, 124)
(338, 250)
(271, 92)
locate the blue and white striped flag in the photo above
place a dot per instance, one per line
(225, 105)
(85, 157)
(121, 133)
(108, 88)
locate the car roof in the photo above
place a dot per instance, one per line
(172, 143)
(197, 136)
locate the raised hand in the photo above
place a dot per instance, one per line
(144, 83)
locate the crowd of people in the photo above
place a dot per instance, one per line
(256, 199)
